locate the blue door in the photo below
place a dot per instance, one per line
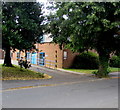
(42, 58)
(34, 58)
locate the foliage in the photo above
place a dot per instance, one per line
(115, 61)
(87, 25)
(21, 25)
(86, 60)
(108, 71)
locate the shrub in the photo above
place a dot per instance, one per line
(114, 61)
(86, 60)
(96, 72)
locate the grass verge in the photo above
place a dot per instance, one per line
(16, 73)
(89, 71)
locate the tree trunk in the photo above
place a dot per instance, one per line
(7, 59)
(103, 65)
(25, 55)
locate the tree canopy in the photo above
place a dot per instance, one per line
(87, 25)
(21, 26)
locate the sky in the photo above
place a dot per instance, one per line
(46, 3)
(41, 1)
(47, 12)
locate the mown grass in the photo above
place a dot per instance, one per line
(89, 71)
(16, 73)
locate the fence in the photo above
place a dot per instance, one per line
(51, 63)
(47, 63)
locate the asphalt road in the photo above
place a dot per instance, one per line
(64, 90)
(59, 77)
(89, 94)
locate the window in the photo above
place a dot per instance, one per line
(18, 55)
(65, 55)
(11, 55)
(42, 58)
(42, 55)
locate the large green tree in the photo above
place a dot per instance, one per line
(21, 26)
(87, 25)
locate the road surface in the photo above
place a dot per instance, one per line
(64, 90)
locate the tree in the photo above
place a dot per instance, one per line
(87, 25)
(21, 26)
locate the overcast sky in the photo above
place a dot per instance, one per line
(41, 1)
(46, 3)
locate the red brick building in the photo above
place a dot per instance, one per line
(48, 54)
(1, 54)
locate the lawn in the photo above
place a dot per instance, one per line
(89, 71)
(16, 73)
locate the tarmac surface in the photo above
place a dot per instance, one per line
(64, 90)
(87, 94)
(58, 77)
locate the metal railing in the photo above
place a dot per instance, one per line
(51, 63)
(47, 63)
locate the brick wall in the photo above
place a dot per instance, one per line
(67, 62)
(53, 54)
(14, 54)
(2, 54)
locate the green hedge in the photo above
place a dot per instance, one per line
(114, 61)
(86, 60)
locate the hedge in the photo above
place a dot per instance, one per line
(86, 60)
(114, 61)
